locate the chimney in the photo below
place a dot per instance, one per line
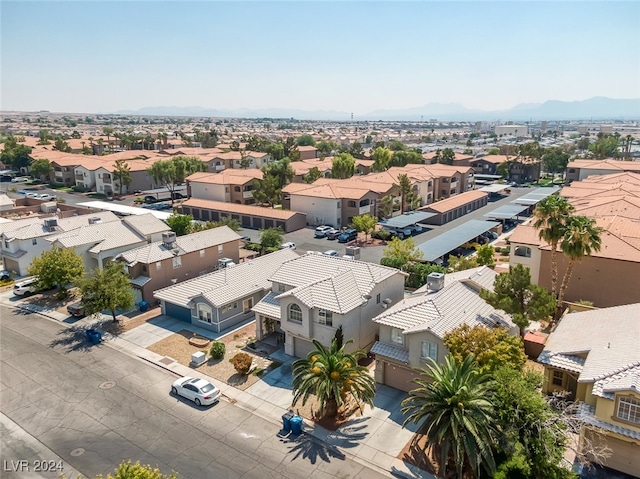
(435, 281)
(168, 239)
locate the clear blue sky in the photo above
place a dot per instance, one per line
(94, 56)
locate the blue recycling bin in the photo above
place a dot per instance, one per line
(296, 425)
(286, 421)
(144, 306)
(94, 336)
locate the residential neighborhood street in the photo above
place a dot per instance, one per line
(95, 406)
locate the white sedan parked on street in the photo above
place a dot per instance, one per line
(201, 392)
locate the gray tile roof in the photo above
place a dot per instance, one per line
(390, 351)
(568, 362)
(184, 244)
(587, 414)
(482, 275)
(269, 306)
(34, 227)
(228, 284)
(609, 337)
(140, 280)
(330, 282)
(103, 237)
(443, 311)
(626, 380)
(147, 224)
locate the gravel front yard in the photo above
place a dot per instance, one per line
(177, 347)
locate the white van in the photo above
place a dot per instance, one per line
(25, 286)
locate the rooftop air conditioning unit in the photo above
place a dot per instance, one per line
(435, 281)
(169, 238)
(94, 220)
(50, 224)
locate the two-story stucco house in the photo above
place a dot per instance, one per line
(412, 331)
(98, 242)
(26, 239)
(178, 258)
(224, 298)
(230, 186)
(595, 356)
(313, 295)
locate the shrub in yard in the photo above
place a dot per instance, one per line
(242, 363)
(217, 350)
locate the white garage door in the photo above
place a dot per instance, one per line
(301, 347)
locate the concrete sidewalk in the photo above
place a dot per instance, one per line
(374, 439)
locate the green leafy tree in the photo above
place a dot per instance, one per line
(41, 169)
(401, 253)
(605, 146)
(228, 221)
(122, 174)
(514, 294)
(326, 148)
(396, 145)
(305, 140)
(15, 155)
(172, 173)
(130, 470)
(313, 175)
(266, 190)
(282, 170)
(484, 255)
(57, 267)
(365, 224)
(493, 151)
(271, 239)
(447, 156)
(461, 263)
(61, 145)
(492, 348)
(406, 157)
(419, 272)
(503, 169)
(555, 160)
(343, 166)
(381, 159)
(332, 375)
(180, 224)
(453, 409)
(408, 197)
(107, 289)
(581, 238)
(533, 436)
(551, 216)
(45, 137)
(356, 150)
(387, 205)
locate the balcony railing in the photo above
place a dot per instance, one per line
(79, 176)
(247, 194)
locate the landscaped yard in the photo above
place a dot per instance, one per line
(177, 347)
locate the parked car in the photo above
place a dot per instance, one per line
(201, 392)
(333, 234)
(5, 275)
(246, 239)
(150, 199)
(288, 244)
(347, 235)
(76, 309)
(164, 206)
(321, 231)
(45, 197)
(331, 252)
(26, 286)
(20, 179)
(416, 229)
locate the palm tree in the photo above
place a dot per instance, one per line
(551, 216)
(331, 374)
(452, 406)
(581, 238)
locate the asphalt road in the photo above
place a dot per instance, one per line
(94, 407)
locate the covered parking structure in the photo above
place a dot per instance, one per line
(407, 219)
(506, 212)
(124, 210)
(494, 188)
(534, 197)
(439, 246)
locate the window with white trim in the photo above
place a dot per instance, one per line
(294, 313)
(629, 410)
(177, 262)
(325, 317)
(205, 312)
(158, 265)
(229, 307)
(396, 336)
(202, 253)
(220, 249)
(558, 378)
(523, 251)
(429, 350)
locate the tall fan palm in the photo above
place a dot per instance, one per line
(551, 217)
(454, 412)
(331, 374)
(581, 238)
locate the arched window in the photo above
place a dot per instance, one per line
(204, 312)
(294, 313)
(523, 251)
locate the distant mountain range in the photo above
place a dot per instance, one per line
(597, 108)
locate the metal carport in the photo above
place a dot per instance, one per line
(506, 212)
(536, 195)
(446, 242)
(494, 188)
(407, 219)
